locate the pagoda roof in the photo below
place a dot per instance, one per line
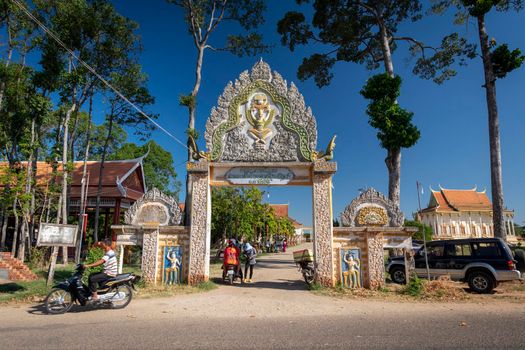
(453, 200)
(121, 178)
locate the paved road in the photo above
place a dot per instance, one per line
(276, 312)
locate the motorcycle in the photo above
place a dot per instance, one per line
(308, 271)
(115, 292)
(229, 273)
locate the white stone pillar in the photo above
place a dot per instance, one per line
(120, 258)
(200, 228)
(322, 223)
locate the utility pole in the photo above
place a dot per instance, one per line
(419, 188)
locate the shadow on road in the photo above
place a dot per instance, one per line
(40, 310)
(281, 284)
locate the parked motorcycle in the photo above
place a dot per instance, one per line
(308, 271)
(229, 273)
(305, 260)
(115, 293)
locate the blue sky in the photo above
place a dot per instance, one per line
(453, 150)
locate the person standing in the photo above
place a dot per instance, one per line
(285, 244)
(250, 253)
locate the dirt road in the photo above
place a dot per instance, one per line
(276, 312)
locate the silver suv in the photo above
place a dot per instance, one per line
(481, 262)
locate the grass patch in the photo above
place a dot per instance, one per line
(316, 287)
(31, 291)
(22, 291)
(161, 291)
(206, 286)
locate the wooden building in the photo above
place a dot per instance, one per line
(122, 184)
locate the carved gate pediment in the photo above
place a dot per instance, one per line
(154, 207)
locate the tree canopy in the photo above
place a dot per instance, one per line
(240, 213)
(158, 166)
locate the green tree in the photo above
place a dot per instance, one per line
(203, 18)
(366, 32)
(240, 213)
(132, 83)
(394, 124)
(427, 230)
(498, 61)
(158, 166)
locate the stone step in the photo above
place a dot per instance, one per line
(16, 269)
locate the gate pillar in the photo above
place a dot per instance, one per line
(200, 225)
(322, 223)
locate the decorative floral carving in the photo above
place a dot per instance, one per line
(372, 216)
(294, 128)
(199, 248)
(372, 198)
(324, 256)
(172, 213)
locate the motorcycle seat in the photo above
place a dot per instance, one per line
(120, 277)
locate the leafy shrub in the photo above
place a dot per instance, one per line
(94, 254)
(38, 257)
(414, 286)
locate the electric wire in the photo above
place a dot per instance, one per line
(94, 72)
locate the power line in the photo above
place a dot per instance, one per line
(94, 72)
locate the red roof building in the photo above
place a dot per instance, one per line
(122, 184)
(462, 214)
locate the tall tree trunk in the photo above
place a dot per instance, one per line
(25, 208)
(494, 133)
(387, 53)
(83, 197)
(101, 174)
(191, 127)
(4, 227)
(15, 231)
(65, 173)
(393, 159)
(32, 208)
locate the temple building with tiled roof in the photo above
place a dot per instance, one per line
(123, 183)
(455, 214)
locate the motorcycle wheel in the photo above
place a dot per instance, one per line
(58, 301)
(230, 279)
(308, 275)
(122, 296)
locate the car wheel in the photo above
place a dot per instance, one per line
(397, 274)
(481, 282)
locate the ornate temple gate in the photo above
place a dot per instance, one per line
(261, 134)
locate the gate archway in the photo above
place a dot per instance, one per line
(261, 133)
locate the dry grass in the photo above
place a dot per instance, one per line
(443, 289)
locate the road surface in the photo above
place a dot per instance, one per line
(275, 312)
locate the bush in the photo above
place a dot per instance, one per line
(38, 257)
(94, 254)
(414, 286)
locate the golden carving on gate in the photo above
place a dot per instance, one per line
(260, 115)
(372, 216)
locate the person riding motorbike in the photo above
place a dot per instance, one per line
(231, 257)
(110, 268)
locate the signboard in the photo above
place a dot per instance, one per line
(57, 235)
(259, 176)
(129, 239)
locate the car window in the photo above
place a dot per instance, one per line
(486, 249)
(436, 250)
(459, 250)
